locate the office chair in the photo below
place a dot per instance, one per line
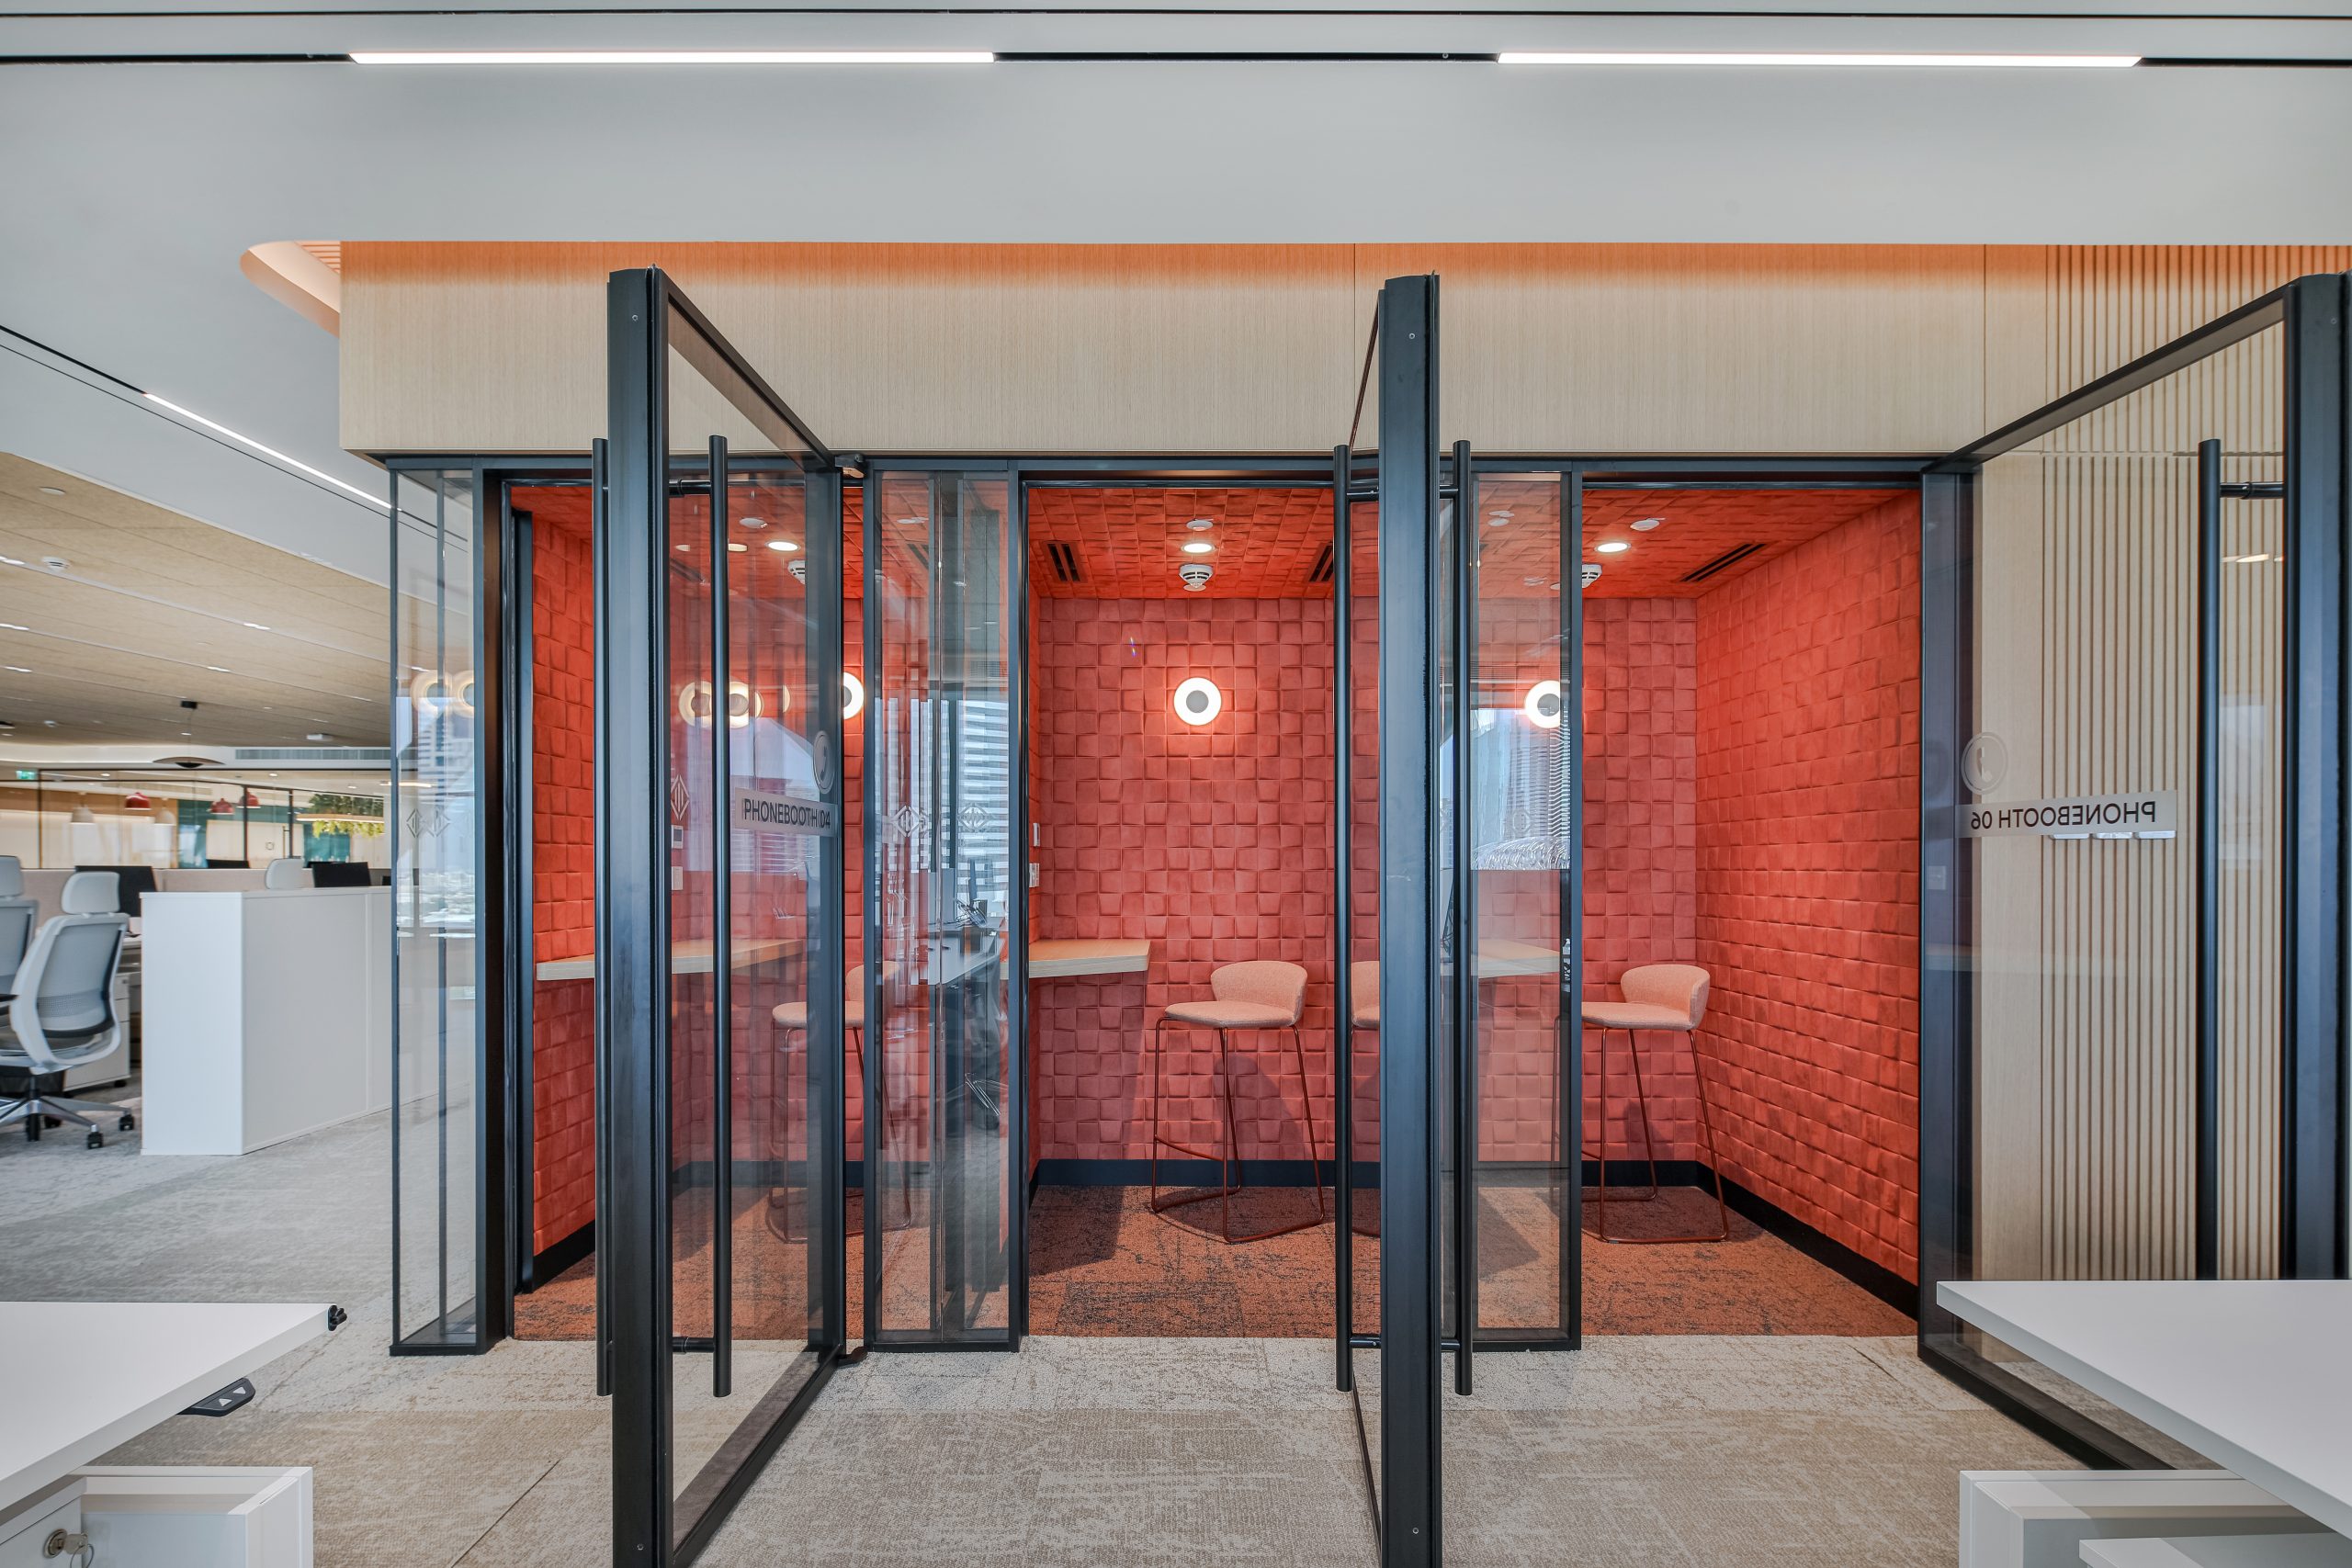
(284, 876)
(18, 916)
(63, 1014)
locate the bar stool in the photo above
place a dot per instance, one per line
(795, 1016)
(1263, 994)
(1667, 999)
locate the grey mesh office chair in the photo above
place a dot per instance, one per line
(18, 916)
(63, 1014)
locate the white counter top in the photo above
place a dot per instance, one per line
(86, 1376)
(2255, 1375)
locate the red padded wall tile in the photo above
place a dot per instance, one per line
(1808, 898)
(1214, 843)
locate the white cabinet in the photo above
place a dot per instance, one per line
(25, 1530)
(189, 1516)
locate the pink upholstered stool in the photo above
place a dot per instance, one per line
(1265, 994)
(1665, 998)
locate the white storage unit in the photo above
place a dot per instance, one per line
(198, 1518)
(2025, 1518)
(26, 1528)
(2222, 1551)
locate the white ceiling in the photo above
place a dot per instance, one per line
(130, 190)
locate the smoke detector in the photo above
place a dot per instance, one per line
(1589, 573)
(1196, 575)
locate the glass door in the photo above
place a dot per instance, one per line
(2132, 1057)
(719, 952)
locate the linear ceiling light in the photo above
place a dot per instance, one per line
(674, 57)
(270, 452)
(1947, 62)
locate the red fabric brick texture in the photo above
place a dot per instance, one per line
(563, 894)
(1808, 792)
(1215, 842)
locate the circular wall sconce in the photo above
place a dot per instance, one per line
(852, 695)
(742, 704)
(436, 693)
(1543, 704)
(1198, 700)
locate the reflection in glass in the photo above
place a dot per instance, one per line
(435, 871)
(938, 726)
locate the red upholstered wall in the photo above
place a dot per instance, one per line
(1215, 842)
(1641, 845)
(1808, 791)
(563, 1021)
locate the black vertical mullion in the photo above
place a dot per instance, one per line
(1410, 1325)
(2208, 1213)
(722, 942)
(520, 648)
(1569, 1074)
(1464, 891)
(599, 505)
(1016, 1046)
(1343, 1164)
(2312, 1207)
(1947, 1100)
(878, 1031)
(822, 550)
(632, 951)
(497, 966)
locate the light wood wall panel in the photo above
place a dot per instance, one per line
(953, 348)
(906, 349)
(1701, 348)
(2087, 670)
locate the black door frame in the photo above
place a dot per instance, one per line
(652, 1523)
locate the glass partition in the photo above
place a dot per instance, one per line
(941, 1207)
(2128, 1052)
(1521, 714)
(438, 1254)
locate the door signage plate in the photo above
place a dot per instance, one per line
(2147, 814)
(758, 812)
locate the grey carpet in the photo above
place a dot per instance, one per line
(1637, 1453)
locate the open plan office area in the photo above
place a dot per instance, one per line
(826, 789)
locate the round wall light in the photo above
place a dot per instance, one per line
(1543, 704)
(1198, 700)
(852, 695)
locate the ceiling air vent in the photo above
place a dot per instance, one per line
(1729, 558)
(1322, 572)
(1065, 562)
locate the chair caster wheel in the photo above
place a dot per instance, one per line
(32, 1129)
(126, 1124)
(97, 1140)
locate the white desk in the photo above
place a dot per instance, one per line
(1500, 958)
(86, 1376)
(2256, 1376)
(1069, 958)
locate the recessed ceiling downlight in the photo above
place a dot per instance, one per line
(1611, 547)
(1198, 546)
